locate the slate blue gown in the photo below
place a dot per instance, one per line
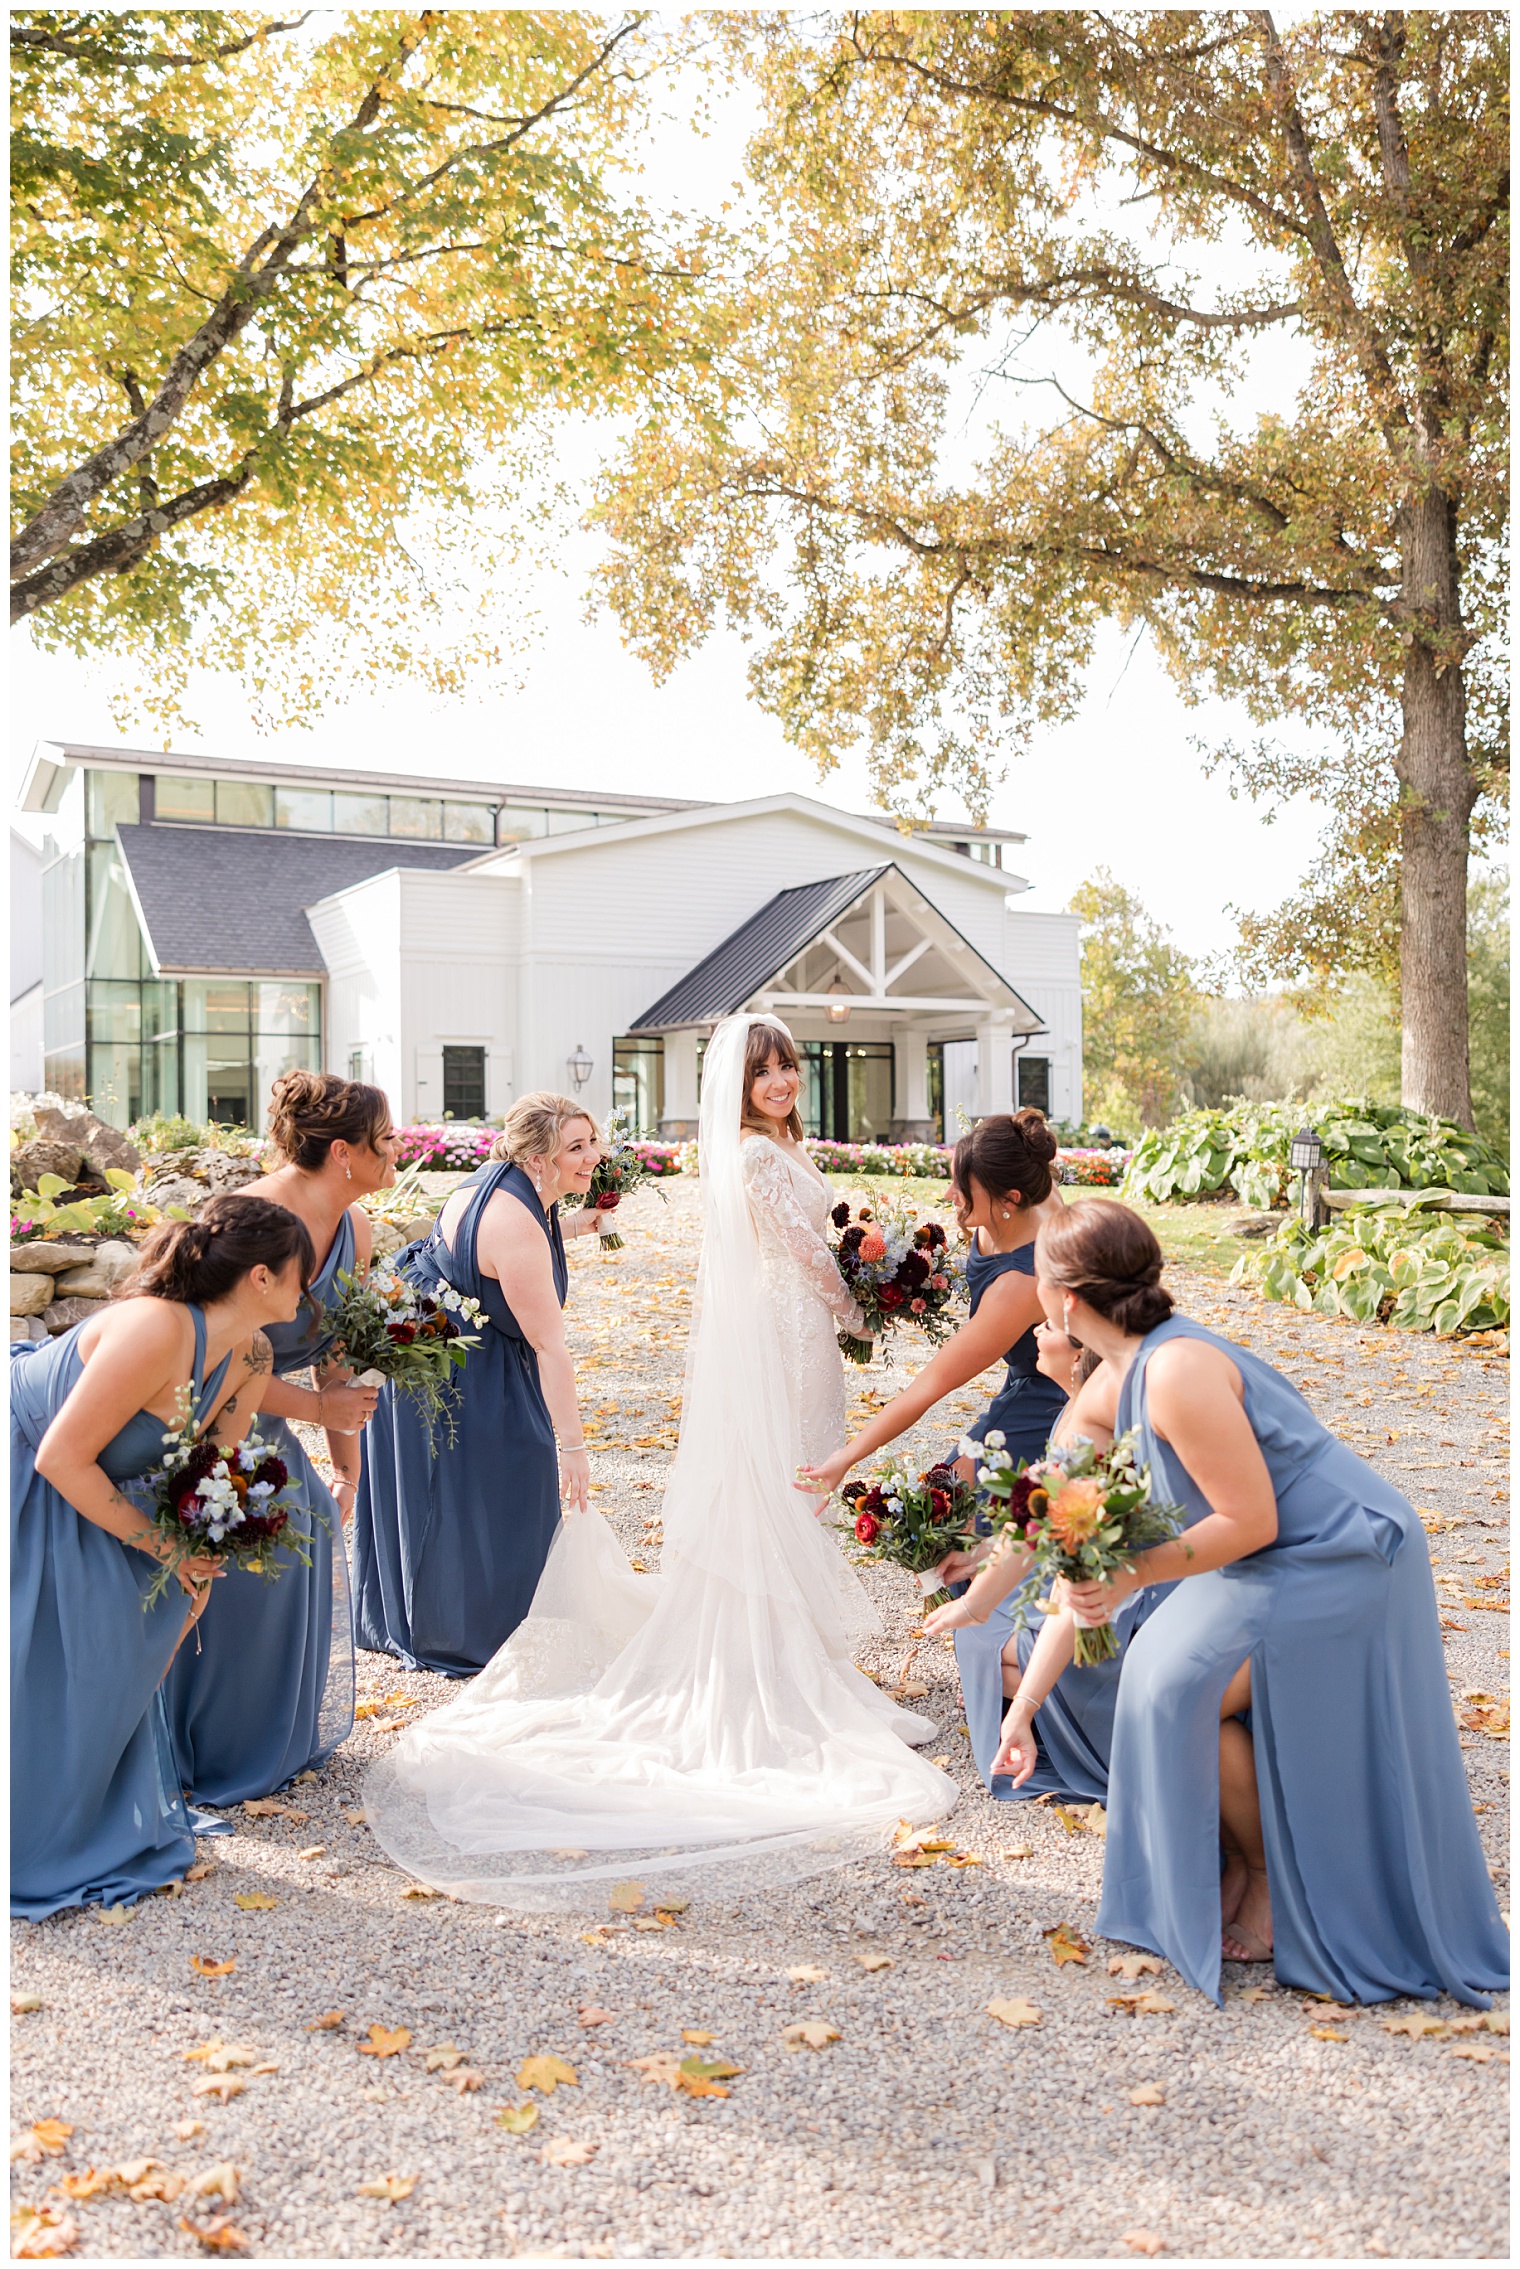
(269, 1691)
(1025, 1408)
(450, 1537)
(96, 1811)
(1379, 1885)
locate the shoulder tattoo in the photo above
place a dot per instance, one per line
(258, 1357)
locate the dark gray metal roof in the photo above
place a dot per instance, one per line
(236, 898)
(752, 954)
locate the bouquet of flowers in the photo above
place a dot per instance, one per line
(899, 1270)
(914, 1524)
(384, 1328)
(1083, 1512)
(232, 1505)
(623, 1166)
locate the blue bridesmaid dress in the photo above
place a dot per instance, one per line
(1025, 1408)
(450, 1537)
(269, 1691)
(1379, 1885)
(96, 1812)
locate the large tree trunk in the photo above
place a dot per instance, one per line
(1437, 789)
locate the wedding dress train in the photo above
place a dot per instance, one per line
(705, 1727)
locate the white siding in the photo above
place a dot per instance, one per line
(1042, 961)
(458, 981)
(359, 935)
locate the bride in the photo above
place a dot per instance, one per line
(705, 1727)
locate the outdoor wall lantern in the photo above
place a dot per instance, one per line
(579, 1066)
(838, 1010)
(1306, 1153)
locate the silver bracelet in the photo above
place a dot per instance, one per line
(568, 1449)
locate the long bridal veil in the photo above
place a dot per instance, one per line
(705, 1727)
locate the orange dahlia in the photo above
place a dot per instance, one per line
(1076, 1511)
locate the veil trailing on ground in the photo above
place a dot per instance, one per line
(705, 1728)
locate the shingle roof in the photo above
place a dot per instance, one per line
(233, 898)
(756, 951)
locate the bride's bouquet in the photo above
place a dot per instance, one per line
(621, 1169)
(914, 1524)
(385, 1329)
(1083, 1512)
(232, 1505)
(899, 1270)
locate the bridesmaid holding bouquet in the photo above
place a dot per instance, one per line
(454, 1524)
(96, 1813)
(268, 1691)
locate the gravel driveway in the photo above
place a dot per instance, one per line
(1274, 2127)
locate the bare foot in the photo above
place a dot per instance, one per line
(1248, 1936)
(1232, 1886)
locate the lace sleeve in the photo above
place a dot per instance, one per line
(768, 1180)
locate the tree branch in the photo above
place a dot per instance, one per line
(77, 51)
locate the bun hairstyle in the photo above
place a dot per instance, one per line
(202, 1260)
(535, 1126)
(764, 1040)
(311, 1110)
(1012, 1151)
(1108, 1257)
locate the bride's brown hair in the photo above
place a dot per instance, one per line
(762, 1042)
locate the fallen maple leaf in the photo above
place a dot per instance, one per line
(1416, 2025)
(809, 2035)
(1476, 2052)
(1133, 1965)
(51, 2136)
(199, 1872)
(421, 1891)
(963, 1859)
(444, 2057)
(1147, 2093)
(874, 1961)
(38, 2233)
(185, 2128)
(158, 2184)
(383, 2041)
(807, 1973)
(263, 1807)
(1018, 1851)
(25, 2004)
(1254, 1993)
(93, 2183)
(1144, 2241)
(663, 2068)
(546, 2073)
(626, 1898)
(517, 2118)
(654, 1921)
(219, 2234)
(254, 1902)
(564, 2151)
(312, 1851)
(220, 2181)
(225, 2088)
(699, 2040)
(1065, 1945)
(390, 2187)
(694, 2068)
(589, 2014)
(115, 1914)
(356, 1819)
(671, 1906)
(204, 1966)
(221, 2056)
(1014, 2012)
(462, 2080)
(326, 2024)
(1327, 2033)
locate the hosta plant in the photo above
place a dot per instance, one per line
(1431, 1272)
(1368, 1145)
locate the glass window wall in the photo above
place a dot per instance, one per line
(176, 797)
(846, 1093)
(244, 803)
(308, 809)
(111, 800)
(360, 815)
(417, 816)
(638, 1081)
(466, 823)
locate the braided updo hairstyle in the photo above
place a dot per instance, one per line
(200, 1261)
(311, 1110)
(535, 1126)
(1010, 1151)
(1108, 1257)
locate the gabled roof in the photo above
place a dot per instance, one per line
(213, 898)
(759, 949)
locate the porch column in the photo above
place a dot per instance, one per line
(910, 1120)
(994, 1070)
(680, 1121)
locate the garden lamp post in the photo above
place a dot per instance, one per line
(579, 1066)
(1306, 1156)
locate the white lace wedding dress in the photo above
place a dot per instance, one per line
(705, 1728)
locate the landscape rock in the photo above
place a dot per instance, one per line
(30, 1294)
(45, 1154)
(28, 1327)
(103, 1146)
(89, 1282)
(116, 1259)
(51, 1257)
(189, 1177)
(1258, 1225)
(390, 1236)
(64, 1313)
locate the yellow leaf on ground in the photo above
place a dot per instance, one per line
(1147, 2093)
(204, 1966)
(1018, 1851)
(254, 1902)
(1133, 1965)
(224, 2088)
(312, 1851)
(517, 2118)
(385, 2041)
(1066, 1946)
(663, 2068)
(52, 2136)
(874, 1961)
(444, 2057)
(328, 2023)
(421, 1891)
(159, 2184)
(589, 2014)
(199, 1872)
(1154, 2005)
(671, 1906)
(220, 2181)
(356, 1819)
(221, 2056)
(653, 1922)
(390, 2187)
(264, 1808)
(1327, 2033)
(1014, 2012)
(1144, 2241)
(698, 2040)
(809, 2035)
(626, 1898)
(715, 2068)
(462, 2080)
(1476, 2052)
(1416, 2024)
(546, 2073)
(1254, 1993)
(25, 2004)
(38, 2233)
(93, 2183)
(564, 2151)
(218, 2235)
(807, 1973)
(113, 1914)
(185, 2128)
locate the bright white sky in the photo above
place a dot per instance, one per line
(1120, 787)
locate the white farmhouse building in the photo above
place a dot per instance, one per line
(207, 922)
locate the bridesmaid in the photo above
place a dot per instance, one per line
(451, 1536)
(268, 1689)
(96, 1812)
(1286, 1782)
(1003, 1193)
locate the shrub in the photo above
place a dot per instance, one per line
(1367, 1146)
(1430, 1272)
(449, 1148)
